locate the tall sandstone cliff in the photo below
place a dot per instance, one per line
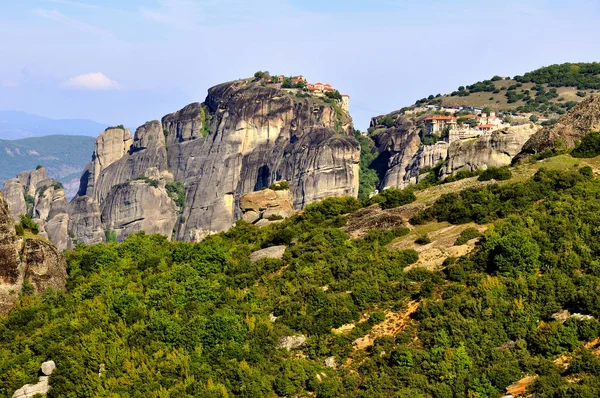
(244, 137)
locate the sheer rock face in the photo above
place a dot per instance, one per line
(398, 148)
(85, 225)
(569, 129)
(497, 149)
(242, 138)
(13, 194)
(32, 259)
(110, 146)
(136, 206)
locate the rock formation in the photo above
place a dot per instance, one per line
(44, 200)
(21, 259)
(569, 129)
(275, 252)
(266, 204)
(41, 387)
(403, 158)
(241, 139)
(496, 149)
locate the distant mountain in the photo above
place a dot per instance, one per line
(16, 125)
(64, 156)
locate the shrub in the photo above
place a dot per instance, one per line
(588, 147)
(176, 192)
(120, 126)
(467, 235)
(27, 223)
(495, 173)
(393, 197)
(280, 186)
(111, 236)
(423, 240)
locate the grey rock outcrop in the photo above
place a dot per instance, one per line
(241, 139)
(49, 208)
(32, 258)
(41, 387)
(270, 252)
(291, 342)
(497, 149)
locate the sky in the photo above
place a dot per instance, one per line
(130, 61)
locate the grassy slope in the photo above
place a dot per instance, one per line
(499, 100)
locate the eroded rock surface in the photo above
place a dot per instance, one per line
(241, 139)
(266, 204)
(569, 129)
(270, 252)
(33, 259)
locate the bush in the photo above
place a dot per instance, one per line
(588, 147)
(393, 197)
(495, 173)
(423, 240)
(176, 192)
(280, 186)
(467, 235)
(27, 223)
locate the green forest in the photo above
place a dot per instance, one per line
(154, 318)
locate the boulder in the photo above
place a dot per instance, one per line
(275, 252)
(291, 342)
(331, 363)
(48, 367)
(41, 387)
(266, 204)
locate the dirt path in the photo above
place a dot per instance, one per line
(393, 324)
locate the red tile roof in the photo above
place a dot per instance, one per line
(486, 126)
(439, 117)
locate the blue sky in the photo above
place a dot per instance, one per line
(132, 61)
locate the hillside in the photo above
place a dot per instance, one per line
(384, 312)
(16, 125)
(64, 156)
(547, 92)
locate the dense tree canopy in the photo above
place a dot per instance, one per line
(183, 320)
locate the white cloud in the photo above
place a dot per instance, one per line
(8, 83)
(57, 16)
(92, 81)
